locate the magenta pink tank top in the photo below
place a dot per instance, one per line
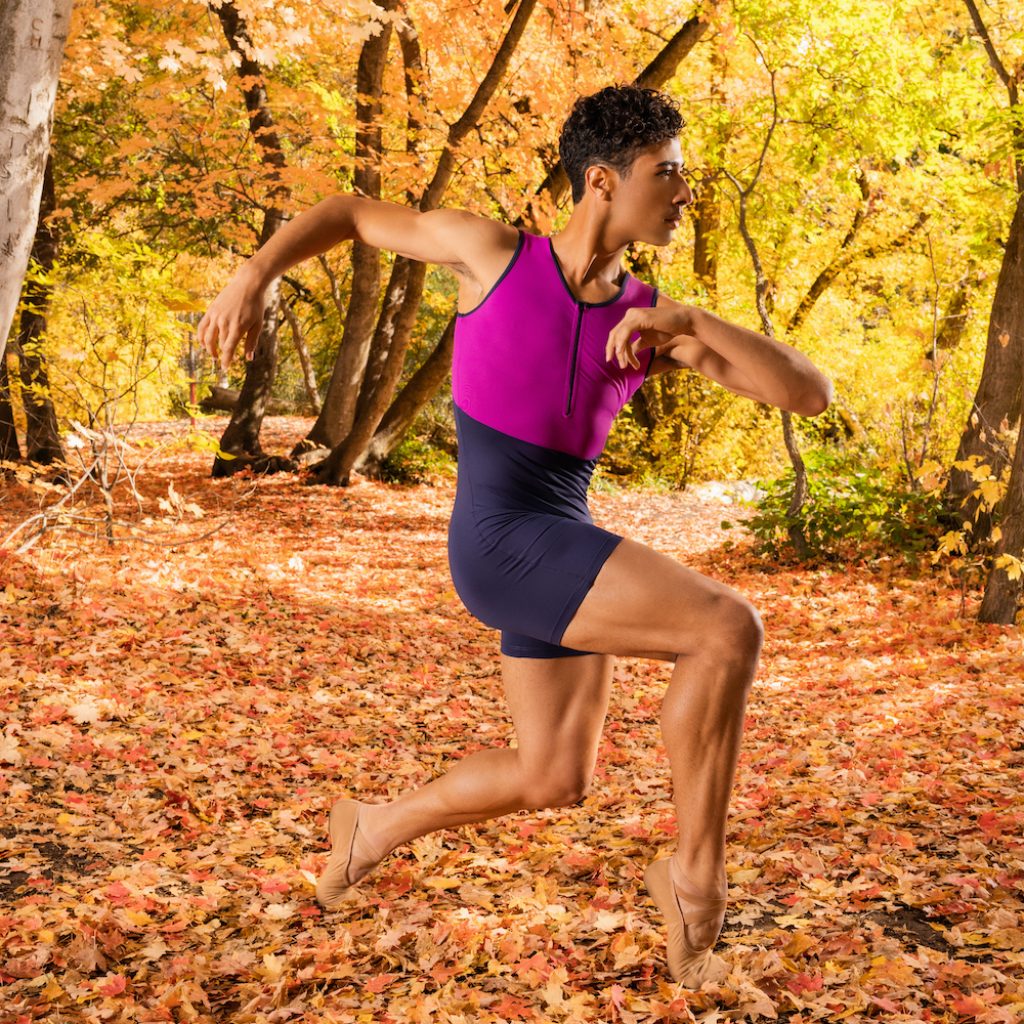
(529, 358)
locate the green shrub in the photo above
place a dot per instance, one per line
(415, 461)
(847, 504)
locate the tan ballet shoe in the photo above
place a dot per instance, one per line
(343, 825)
(686, 963)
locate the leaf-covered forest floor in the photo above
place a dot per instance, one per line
(177, 720)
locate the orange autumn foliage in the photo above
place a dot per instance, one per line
(179, 716)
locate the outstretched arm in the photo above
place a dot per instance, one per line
(455, 238)
(739, 359)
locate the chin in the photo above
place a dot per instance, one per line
(654, 237)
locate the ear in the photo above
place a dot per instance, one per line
(601, 181)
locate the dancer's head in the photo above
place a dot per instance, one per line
(620, 133)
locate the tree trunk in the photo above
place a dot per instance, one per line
(225, 399)
(32, 36)
(338, 412)
(241, 438)
(841, 259)
(405, 288)
(997, 404)
(404, 277)
(797, 536)
(402, 412)
(844, 258)
(1003, 591)
(954, 320)
(10, 450)
(411, 401)
(302, 350)
(42, 434)
(706, 224)
(706, 211)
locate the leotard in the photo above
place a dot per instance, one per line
(534, 402)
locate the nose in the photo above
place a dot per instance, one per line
(684, 196)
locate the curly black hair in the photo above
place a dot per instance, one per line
(610, 126)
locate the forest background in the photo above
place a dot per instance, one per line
(193, 667)
(857, 177)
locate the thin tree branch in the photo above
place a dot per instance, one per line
(993, 58)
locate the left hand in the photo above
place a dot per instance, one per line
(656, 325)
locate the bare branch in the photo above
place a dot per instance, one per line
(993, 58)
(775, 118)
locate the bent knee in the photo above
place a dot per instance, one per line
(555, 790)
(736, 629)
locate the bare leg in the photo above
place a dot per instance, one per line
(642, 604)
(558, 706)
(646, 604)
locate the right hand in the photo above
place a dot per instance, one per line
(235, 313)
(656, 325)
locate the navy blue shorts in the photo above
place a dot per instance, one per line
(522, 547)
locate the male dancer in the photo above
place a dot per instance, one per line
(553, 337)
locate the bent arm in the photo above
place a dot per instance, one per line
(686, 352)
(456, 238)
(436, 236)
(746, 362)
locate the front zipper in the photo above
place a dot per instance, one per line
(572, 365)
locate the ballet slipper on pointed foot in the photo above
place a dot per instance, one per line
(687, 964)
(337, 877)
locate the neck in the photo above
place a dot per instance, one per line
(585, 252)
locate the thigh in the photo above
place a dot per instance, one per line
(524, 572)
(558, 709)
(646, 604)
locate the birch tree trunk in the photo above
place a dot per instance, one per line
(32, 36)
(42, 434)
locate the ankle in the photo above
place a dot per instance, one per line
(369, 833)
(706, 877)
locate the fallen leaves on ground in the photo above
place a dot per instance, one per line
(177, 721)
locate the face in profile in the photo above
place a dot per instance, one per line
(647, 204)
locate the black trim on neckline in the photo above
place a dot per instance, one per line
(579, 302)
(504, 274)
(654, 353)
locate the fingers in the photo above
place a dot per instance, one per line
(251, 338)
(220, 339)
(235, 314)
(203, 335)
(627, 337)
(210, 335)
(618, 340)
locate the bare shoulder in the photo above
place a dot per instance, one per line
(666, 300)
(453, 238)
(481, 251)
(478, 243)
